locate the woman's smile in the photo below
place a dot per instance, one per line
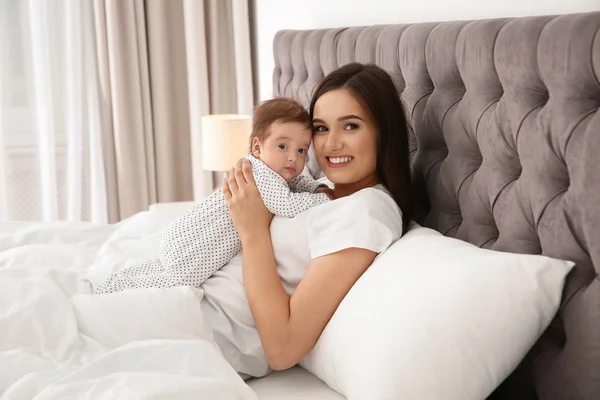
(338, 161)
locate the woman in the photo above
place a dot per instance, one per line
(297, 271)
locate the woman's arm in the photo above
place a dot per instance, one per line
(290, 326)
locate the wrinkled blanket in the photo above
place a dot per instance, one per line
(57, 341)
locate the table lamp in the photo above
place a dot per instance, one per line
(224, 140)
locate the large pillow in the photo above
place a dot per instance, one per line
(437, 318)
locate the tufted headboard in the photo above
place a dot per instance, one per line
(505, 152)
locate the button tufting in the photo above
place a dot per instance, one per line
(544, 96)
(518, 169)
(457, 128)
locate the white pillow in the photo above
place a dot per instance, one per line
(437, 318)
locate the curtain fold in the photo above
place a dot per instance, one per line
(170, 106)
(241, 22)
(198, 89)
(107, 139)
(126, 64)
(219, 68)
(169, 63)
(50, 167)
(116, 90)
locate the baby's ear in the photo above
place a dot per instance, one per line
(256, 147)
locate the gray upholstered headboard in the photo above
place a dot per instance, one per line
(506, 152)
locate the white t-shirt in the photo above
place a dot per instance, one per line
(368, 219)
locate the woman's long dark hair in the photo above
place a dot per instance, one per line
(375, 90)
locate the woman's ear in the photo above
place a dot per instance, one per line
(256, 147)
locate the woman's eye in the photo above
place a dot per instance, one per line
(350, 127)
(320, 128)
(282, 146)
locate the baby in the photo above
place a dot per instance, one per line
(204, 239)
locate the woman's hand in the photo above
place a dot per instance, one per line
(326, 190)
(246, 207)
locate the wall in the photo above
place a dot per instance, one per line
(275, 15)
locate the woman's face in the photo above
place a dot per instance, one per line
(345, 139)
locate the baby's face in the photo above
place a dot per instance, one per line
(285, 148)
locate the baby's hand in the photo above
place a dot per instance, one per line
(326, 190)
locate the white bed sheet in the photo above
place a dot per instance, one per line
(58, 342)
(293, 384)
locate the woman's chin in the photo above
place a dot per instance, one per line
(337, 177)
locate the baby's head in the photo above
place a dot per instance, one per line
(281, 136)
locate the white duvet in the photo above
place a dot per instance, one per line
(59, 342)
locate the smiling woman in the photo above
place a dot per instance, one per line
(357, 141)
(297, 271)
(347, 144)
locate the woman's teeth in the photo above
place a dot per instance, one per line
(339, 160)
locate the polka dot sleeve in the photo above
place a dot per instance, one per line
(204, 239)
(277, 195)
(303, 183)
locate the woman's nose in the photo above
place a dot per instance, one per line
(333, 141)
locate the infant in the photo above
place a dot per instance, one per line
(204, 239)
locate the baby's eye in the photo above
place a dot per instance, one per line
(282, 146)
(350, 127)
(301, 151)
(320, 128)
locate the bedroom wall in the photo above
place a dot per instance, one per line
(275, 15)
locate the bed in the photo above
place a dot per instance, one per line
(505, 135)
(490, 102)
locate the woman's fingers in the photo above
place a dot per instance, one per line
(247, 171)
(233, 186)
(237, 179)
(239, 174)
(226, 191)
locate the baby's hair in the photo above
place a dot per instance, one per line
(279, 109)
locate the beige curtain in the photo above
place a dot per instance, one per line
(163, 64)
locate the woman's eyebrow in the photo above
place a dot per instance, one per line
(344, 118)
(347, 117)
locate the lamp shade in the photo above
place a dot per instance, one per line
(224, 140)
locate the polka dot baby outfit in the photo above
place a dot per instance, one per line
(204, 239)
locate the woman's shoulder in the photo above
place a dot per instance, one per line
(374, 194)
(369, 219)
(373, 202)
(377, 201)
(377, 193)
(370, 197)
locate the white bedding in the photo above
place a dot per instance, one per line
(295, 383)
(57, 341)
